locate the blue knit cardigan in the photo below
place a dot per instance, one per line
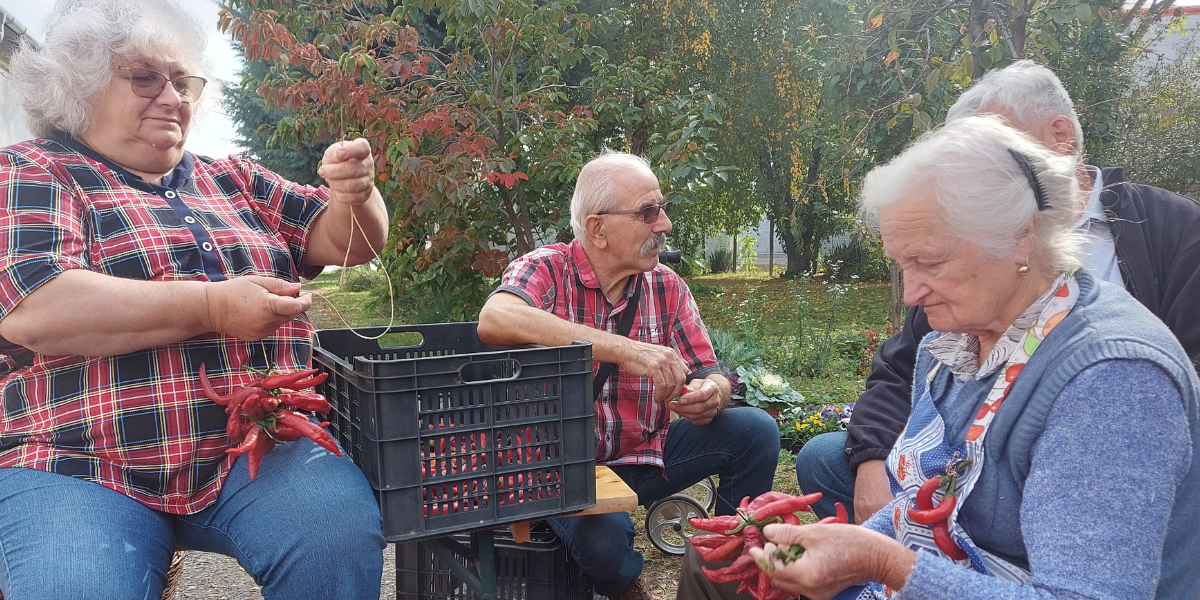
(1091, 474)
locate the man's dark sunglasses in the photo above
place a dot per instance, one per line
(649, 213)
(148, 83)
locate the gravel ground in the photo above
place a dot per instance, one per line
(209, 576)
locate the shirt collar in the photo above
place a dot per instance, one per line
(960, 351)
(180, 176)
(1093, 210)
(583, 266)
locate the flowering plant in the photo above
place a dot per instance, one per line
(802, 423)
(765, 389)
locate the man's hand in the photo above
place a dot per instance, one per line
(659, 363)
(871, 490)
(252, 308)
(349, 171)
(701, 404)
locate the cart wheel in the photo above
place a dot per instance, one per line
(667, 522)
(704, 492)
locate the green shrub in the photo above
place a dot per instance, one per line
(747, 258)
(720, 260)
(860, 258)
(733, 351)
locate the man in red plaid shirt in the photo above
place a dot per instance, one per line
(581, 291)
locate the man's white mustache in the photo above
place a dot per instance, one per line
(658, 241)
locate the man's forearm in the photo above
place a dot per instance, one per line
(510, 322)
(85, 313)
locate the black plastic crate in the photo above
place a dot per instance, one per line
(536, 570)
(455, 434)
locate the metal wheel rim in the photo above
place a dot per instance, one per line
(667, 523)
(704, 492)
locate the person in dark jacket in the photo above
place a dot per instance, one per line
(1142, 237)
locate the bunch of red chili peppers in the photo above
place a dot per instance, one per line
(272, 411)
(938, 517)
(744, 530)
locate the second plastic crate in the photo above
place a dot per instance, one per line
(454, 434)
(536, 570)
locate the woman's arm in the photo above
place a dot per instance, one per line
(349, 169)
(1090, 526)
(80, 312)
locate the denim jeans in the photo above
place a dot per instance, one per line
(741, 445)
(307, 527)
(821, 466)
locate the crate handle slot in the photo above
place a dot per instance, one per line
(505, 369)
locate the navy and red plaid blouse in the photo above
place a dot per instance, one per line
(138, 423)
(631, 428)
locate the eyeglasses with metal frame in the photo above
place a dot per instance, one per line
(649, 214)
(148, 83)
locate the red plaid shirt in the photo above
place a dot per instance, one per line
(631, 428)
(138, 423)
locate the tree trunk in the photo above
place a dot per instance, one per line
(978, 18)
(771, 248)
(637, 139)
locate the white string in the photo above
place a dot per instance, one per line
(342, 281)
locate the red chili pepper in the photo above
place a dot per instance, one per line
(310, 401)
(716, 524)
(285, 380)
(744, 504)
(264, 445)
(253, 410)
(269, 403)
(709, 540)
(753, 537)
(766, 498)
(924, 497)
(941, 537)
(247, 444)
(722, 552)
(286, 433)
(311, 430)
(934, 515)
(734, 572)
(236, 428)
(791, 519)
(307, 383)
(210, 391)
(842, 516)
(764, 583)
(779, 508)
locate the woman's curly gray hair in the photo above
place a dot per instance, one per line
(56, 82)
(985, 197)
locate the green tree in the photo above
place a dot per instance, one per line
(479, 138)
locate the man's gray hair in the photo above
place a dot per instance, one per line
(56, 83)
(1024, 91)
(985, 197)
(596, 186)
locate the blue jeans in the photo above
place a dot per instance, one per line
(821, 466)
(307, 527)
(741, 445)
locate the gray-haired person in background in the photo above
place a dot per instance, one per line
(1141, 237)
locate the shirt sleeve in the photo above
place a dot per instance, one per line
(42, 232)
(287, 208)
(1091, 528)
(689, 337)
(532, 278)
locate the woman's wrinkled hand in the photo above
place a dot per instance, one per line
(252, 308)
(836, 557)
(349, 170)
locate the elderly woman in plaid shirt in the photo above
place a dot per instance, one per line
(125, 263)
(582, 291)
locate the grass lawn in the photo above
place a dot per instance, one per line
(811, 332)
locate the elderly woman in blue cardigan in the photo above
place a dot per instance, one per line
(1055, 416)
